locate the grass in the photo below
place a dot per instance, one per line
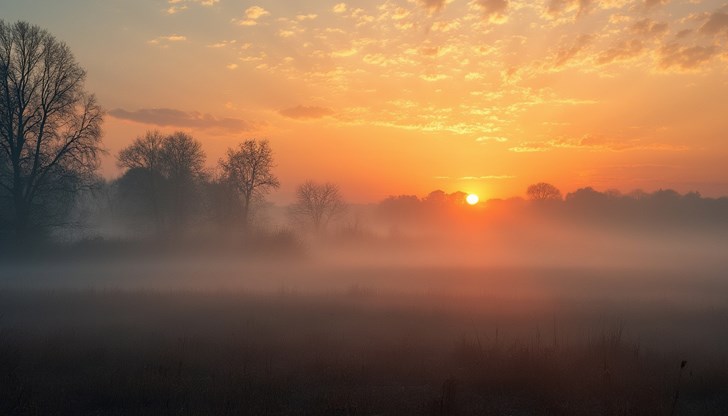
(356, 351)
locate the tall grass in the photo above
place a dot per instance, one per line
(357, 353)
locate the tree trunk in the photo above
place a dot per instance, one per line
(21, 218)
(246, 213)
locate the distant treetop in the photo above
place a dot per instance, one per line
(543, 191)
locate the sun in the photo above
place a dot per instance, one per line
(472, 199)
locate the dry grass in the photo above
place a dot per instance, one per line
(356, 352)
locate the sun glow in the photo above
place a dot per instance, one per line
(472, 199)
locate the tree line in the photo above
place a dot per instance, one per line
(165, 185)
(636, 209)
(50, 148)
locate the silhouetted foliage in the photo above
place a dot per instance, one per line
(163, 179)
(317, 204)
(248, 169)
(183, 163)
(400, 208)
(223, 205)
(50, 130)
(635, 211)
(543, 191)
(660, 210)
(436, 198)
(586, 196)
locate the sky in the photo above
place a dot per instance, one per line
(388, 97)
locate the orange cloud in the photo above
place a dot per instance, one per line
(557, 7)
(432, 5)
(252, 14)
(652, 3)
(565, 54)
(594, 143)
(165, 41)
(623, 50)
(167, 117)
(681, 57)
(492, 10)
(303, 112)
(717, 24)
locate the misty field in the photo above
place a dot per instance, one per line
(291, 335)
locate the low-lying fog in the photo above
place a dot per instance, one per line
(379, 317)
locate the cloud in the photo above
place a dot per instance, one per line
(345, 53)
(530, 147)
(434, 77)
(683, 57)
(594, 143)
(304, 17)
(497, 139)
(222, 44)
(176, 118)
(432, 5)
(256, 12)
(492, 10)
(653, 3)
(400, 13)
(621, 51)
(361, 17)
(565, 54)
(642, 32)
(339, 8)
(486, 177)
(649, 28)
(445, 26)
(477, 178)
(302, 112)
(557, 7)
(176, 6)
(164, 41)
(252, 14)
(176, 9)
(717, 23)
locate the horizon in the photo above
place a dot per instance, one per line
(485, 97)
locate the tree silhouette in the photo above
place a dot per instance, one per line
(183, 163)
(248, 169)
(145, 152)
(50, 128)
(144, 179)
(163, 171)
(317, 204)
(543, 191)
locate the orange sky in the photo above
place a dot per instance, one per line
(408, 96)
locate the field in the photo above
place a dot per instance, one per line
(293, 336)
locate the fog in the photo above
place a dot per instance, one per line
(519, 305)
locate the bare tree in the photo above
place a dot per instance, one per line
(317, 204)
(144, 153)
(249, 171)
(50, 127)
(181, 157)
(543, 191)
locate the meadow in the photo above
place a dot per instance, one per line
(388, 335)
